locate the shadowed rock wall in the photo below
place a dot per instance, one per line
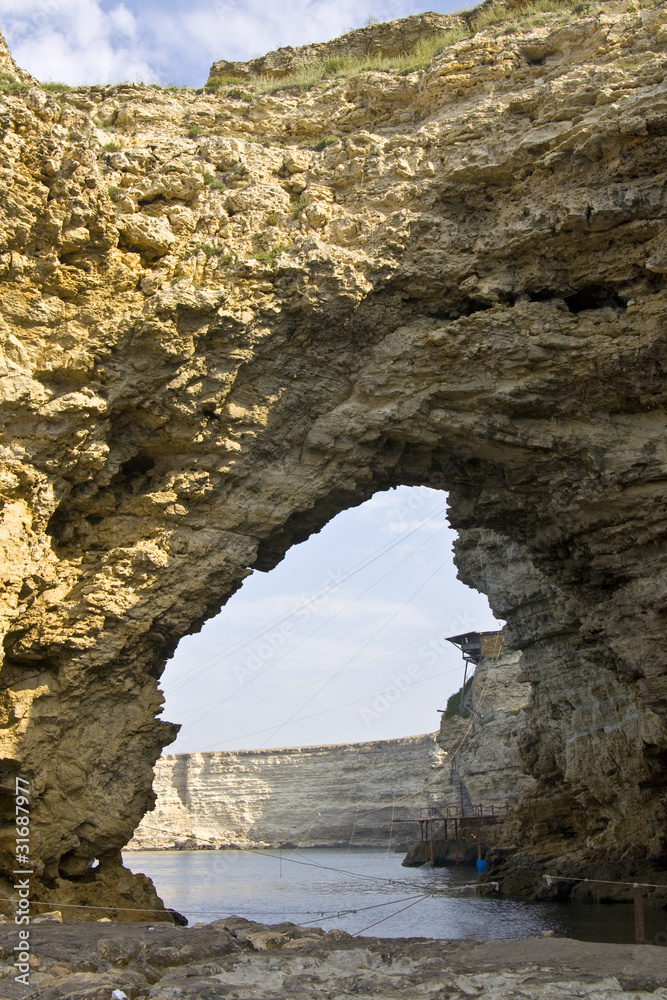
(481, 766)
(216, 337)
(482, 743)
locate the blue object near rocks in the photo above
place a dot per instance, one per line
(481, 866)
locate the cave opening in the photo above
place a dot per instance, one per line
(343, 641)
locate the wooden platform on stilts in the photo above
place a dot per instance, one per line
(471, 820)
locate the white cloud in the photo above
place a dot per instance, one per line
(123, 21)
(75, 42)
(101, 41)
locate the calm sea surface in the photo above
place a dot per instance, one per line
(318, 887)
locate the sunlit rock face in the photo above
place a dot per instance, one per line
(216, 337)
(349, 795)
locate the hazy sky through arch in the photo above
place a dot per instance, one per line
(346, 637)
(173, 42)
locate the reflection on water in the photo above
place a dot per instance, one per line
(313, 887)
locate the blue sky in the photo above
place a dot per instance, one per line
(324, 649)
(172, 42)
(343, 641)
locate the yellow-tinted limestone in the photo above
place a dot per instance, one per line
(227, 318)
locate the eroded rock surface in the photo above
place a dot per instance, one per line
(216, 337)
(481, 766)
(239, 959)
(323, 796)
(388, 39)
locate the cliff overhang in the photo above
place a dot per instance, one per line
(228, 316)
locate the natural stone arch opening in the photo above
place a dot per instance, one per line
(492, 555)
(333, 627)
(474, 301)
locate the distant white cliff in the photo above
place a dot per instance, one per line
(308, 796)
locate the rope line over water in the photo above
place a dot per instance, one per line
(445, 890)
(323, 914)
(395, 914)
(550, 879)
(451, 756)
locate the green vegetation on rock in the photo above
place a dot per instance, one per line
(455, 702)
(508, 18)
(270, 256)
(53, 87)
(8, 85)
(209, 250)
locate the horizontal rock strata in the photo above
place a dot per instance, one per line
(323, 796)
(228, 316)
(482, 765)
(482, 768)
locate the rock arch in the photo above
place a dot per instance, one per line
(203, 366)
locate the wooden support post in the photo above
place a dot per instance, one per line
(423, 838)
(456, 834)
(479, 840)
(639, 915)
(432, 849)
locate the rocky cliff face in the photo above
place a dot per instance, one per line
(324, 796)
(481, 764)
(228, 316)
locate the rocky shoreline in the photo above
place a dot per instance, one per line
(236, 958)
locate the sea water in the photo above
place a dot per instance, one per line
(367, 892)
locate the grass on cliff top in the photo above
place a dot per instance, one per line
(335, 68)
(8, 85)
(419, 57)
(55, 87)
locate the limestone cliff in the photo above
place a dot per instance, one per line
(228, 315)
(323, 796)
(480, 742)
(482, 763)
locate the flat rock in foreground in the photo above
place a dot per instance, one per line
(240, 959)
